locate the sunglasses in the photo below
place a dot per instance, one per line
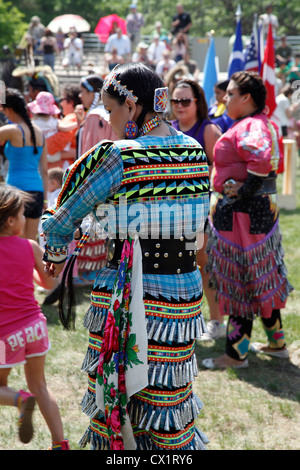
(185, 102)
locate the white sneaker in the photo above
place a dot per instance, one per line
(215, 330)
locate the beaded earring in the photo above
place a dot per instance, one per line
(131, 130)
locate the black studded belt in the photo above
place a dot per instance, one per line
(160, 256)
(268, 186)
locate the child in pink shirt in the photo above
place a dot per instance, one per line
(23, 328)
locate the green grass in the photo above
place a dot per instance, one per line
(251, 409)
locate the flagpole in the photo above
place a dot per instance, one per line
(238, 13)
(210, 75)
(236, 59)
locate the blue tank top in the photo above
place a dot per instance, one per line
(23, 169)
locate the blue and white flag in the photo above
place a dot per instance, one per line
(251, 55)
(210, 73)
(236, 59)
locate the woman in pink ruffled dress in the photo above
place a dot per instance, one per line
(245, 255)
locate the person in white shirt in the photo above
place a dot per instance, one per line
(121, 42)
(266, 19)
(73, 47)
(284, 110)
(156, 49)
(165, 65)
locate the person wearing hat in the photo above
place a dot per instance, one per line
(142, 55)
(45, 114)
(36, 31)
(134, 23)
(165, 64)
(162, 32)
(73, 47)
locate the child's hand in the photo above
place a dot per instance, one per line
(53, 269)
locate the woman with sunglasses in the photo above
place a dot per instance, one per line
(191, 112)
(190, 109)
(245, 255)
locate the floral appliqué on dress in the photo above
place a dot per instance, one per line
(119, 350)
(254, 141)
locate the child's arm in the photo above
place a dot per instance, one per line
(40, 276)
(67, 127)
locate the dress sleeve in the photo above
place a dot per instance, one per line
(255, 146)
(86, 184)
(94, 130)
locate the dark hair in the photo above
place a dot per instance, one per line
(38, 83)
(139, 79)
(94, 80)
(71, 93)
(202, 108)
(222, 84)
(287, 89)
(251, 82)
(16, 101)
(48, 32)
(11, 201)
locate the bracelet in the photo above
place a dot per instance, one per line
(45, 201)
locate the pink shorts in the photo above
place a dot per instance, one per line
(29, 341)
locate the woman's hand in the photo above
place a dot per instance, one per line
(53, 269)
(231, 188)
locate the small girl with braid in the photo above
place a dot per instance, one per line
(23, 328)
(26, 152)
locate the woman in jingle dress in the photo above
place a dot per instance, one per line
(145, 312)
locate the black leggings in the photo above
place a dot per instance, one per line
(239, 333)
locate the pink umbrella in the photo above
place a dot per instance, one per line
(105, 26)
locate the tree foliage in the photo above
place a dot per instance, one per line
(12, 24)
(218, 15)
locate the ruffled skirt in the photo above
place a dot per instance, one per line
(163, 414)
(245, 258)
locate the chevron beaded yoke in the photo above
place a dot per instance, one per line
(162, 173)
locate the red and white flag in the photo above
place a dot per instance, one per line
(268, 72)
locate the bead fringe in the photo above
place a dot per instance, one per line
(248, 280)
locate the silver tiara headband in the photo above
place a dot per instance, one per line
(111, 80)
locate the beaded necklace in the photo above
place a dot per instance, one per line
(149, 125)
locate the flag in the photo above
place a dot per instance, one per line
(251, 55)
(236, 59)
(260, 46)
(210, 73)
(268, 72)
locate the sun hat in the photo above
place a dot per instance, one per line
(44, 104)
